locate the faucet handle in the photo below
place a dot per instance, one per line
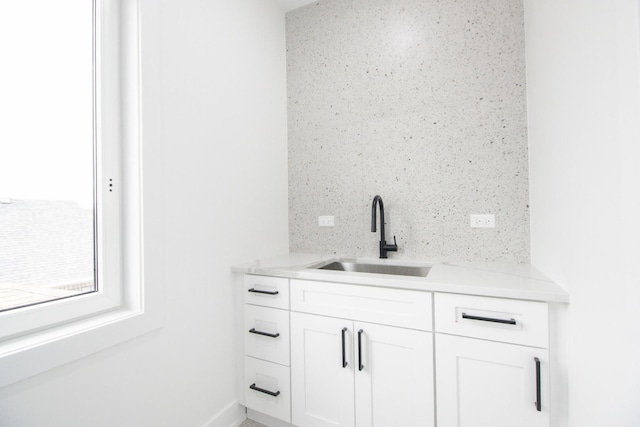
(393, 247)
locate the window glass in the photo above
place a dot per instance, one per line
(46, 151)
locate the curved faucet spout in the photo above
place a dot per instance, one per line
(384, 247)
(377, 201)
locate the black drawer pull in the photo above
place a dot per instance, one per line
(538, 401)
(266, 334)
(261, 390)
(258, 291)
(489, 319)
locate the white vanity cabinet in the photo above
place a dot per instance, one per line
(321, 354)
(492, 362)
(350, 370)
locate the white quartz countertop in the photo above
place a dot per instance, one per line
(519, 281)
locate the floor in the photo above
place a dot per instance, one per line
(251, 423)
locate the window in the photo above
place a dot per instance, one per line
(113, 305)
(47, 217)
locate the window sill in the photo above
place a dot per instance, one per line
(38, 352)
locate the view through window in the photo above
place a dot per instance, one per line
(46, 151)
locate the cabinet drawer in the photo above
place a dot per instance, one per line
(267, 388)
(266, 334)
(267, 291)
(394, 307)
(496, 319)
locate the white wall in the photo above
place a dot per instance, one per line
(584, 144)
(214, 100)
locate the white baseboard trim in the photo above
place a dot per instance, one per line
(231, 416)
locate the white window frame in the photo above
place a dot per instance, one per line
(40, 337)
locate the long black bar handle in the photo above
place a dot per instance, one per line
(360, 365)
(538, 401)
(266, 334)
(261, 390)
(489, 319)
(258, 291)
(344, 351)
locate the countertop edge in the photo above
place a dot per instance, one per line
(526, 284)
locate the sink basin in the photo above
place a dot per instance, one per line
(362, 267)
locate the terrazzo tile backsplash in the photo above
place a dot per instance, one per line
(422, 102)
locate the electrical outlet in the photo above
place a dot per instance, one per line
(325, 221)
(483, 221)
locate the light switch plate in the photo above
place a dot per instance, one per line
(326, 221)
(483, 221)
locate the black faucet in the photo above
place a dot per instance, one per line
(384, 248)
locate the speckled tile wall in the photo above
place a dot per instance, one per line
(422, 102)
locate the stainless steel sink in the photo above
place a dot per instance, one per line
(362, 267)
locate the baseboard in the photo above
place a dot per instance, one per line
(231, 416)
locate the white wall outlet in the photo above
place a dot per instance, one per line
(325, 221)
(483, 221)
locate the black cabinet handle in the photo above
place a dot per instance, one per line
(360, 365)
(266, 334)
(261, 390)
(489, 319)
(538, 401)
(344, 355)
(258, 291)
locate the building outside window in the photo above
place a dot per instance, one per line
(46, 251)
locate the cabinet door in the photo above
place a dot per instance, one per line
(490, 384)
(322, 386)
(393, 376)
